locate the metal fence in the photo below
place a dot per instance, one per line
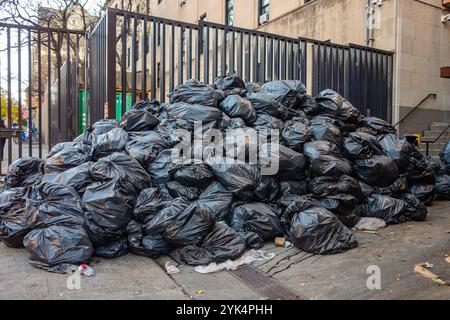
(36, 106)
(147, 56)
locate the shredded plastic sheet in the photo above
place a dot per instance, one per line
(248, 258)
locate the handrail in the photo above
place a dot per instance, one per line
(434, 95)
(435, 140)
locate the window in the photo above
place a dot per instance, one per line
(264, 8)
(229, 12)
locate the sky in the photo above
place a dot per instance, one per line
(92, 6)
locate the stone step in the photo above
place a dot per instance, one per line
(432, 146)
(431, 135)
(439, 127)
(432, 152)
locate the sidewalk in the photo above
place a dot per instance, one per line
(292, 274)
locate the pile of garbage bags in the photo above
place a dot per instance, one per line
(117, 189)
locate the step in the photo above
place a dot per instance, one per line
(434, 134)
(436, 145)
(432, 152)
(439, 127)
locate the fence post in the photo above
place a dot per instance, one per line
(111, 20)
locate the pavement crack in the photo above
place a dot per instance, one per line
(285, 258)
(289, 265)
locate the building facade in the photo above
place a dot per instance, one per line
(415, 30)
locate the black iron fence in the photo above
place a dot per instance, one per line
(146, 57)
(38, 66)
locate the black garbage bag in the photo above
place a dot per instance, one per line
(190, 227)
(325, 129)
(78, 178)
(325, 186)
(13, 217)
(294, 187)
(162, 167)
(108, 143)
(292, 165)
(112, 250)
(378, 125)
(150, 202)
(420, 171)
(21, 170)
(266, 122)
(152, 106)
(251, 87)
(157, 223)
(218, 199)
(194, 175)
(267, 189)
(231, 123)
(296, 133)
(109, 208)
(360, 146)
(146, 146)
(85, 148)
(50, 203)
(344, 206)
(442, 188)
(58, 247)
(366, 189)
(309, 106)
(119, 165)
(229, 82)
(138, 120)
(397, 148)
(396, 190)
(290, 93)
(445, 157)
(184, 115)
(425, 192)
(240, 179)
(334, 105)
(316, 230)
(222, 244)
(194, 92)
(259, 218)
(326, 159)
(67, 159)
(237, 107)
(389, 209)
(415, 210)
(177, 190)
(150, 246)
(380, 171)
(92, 132)
(263, 104)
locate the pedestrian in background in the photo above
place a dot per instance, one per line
(2, 139)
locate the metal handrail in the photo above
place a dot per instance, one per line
(435, 140)
(434, 95)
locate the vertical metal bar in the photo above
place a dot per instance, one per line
(296, 56)
(247, 57)
(49, 91)
(262, 65)
(198, 45)
(290, 60)
(30, 97)
(223, 55)
(40, 91)
(181, 40)
(66, 112)
(123, 64)
(133, 61)
(19, 84)
(239, 55)
(144, 60)
(172, 58)
(270, 60)
(206, 53)
(8, 74)
(255, 58)
(162, 75)
(215, 50)
(304, 61)
(232, 52)
(315, 63)
(277, 59)
(283, 60)
(58, 70)
(110, 67)
(189, 54)
(76, 86)
(154, 75)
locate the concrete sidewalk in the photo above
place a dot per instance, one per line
(292, 274)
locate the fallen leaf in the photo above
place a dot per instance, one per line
(421, 269)
(447, 259)
(200, 291)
